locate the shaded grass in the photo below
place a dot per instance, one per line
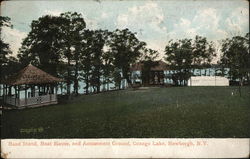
(180, 112)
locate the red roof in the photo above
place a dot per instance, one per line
(31, 75)
(160, 67)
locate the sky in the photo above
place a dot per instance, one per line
(155, 22)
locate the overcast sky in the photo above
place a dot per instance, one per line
(155, 22)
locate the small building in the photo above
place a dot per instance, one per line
(156, 74)
(208, 81)
(30, 87)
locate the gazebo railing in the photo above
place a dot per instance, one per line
(10, 100)
(39, 100)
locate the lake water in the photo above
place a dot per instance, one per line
(111, 86)
(81, 89)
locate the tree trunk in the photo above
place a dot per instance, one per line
(240, 89)
(240, 85)
(108, 86)
(119, 87)
(2, 76)
(126, 76)
(98, 82)
(61, 86)
(248, 79)
(128, 80)
(76, 79)
(87, 84)
(68, 77)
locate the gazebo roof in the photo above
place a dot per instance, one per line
(31, 75)
(160, 67)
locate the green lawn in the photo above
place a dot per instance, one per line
(175, 112)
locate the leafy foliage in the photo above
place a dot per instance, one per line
(4, 47)
(8, 63)
(186, 55)
(52, 41)
(126, 49)
(180, 56)
(42, 46)
(236, 57)
(148, 61)
(203, 52)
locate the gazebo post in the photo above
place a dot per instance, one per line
(9, 91)
(33, 90)
(50, 91)
(39, 90)
(48, 88)
(44, 89)
(52, 88)
(15, 95)
(6, 91)
(3, 92)
(56, 89)
(0, 89)
(25, 94)
(18, 87)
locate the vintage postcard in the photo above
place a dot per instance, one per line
(125, 79)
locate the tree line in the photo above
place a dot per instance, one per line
(187, 55)
(64, 47)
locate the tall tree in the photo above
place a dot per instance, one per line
(4, 47)
(86, 58)
(203, 53)
(53, 39)
(148, 60)
(108, 67)
(73, 28)
(126, 50)
(117, 78)
(248, 63)
(179, 55)
(42, 46)
(236, 57)
(93, 58)
(100, 38)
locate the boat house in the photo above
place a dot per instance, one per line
(156, 75)
(30, 87)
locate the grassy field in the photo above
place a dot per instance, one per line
(175, 112)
